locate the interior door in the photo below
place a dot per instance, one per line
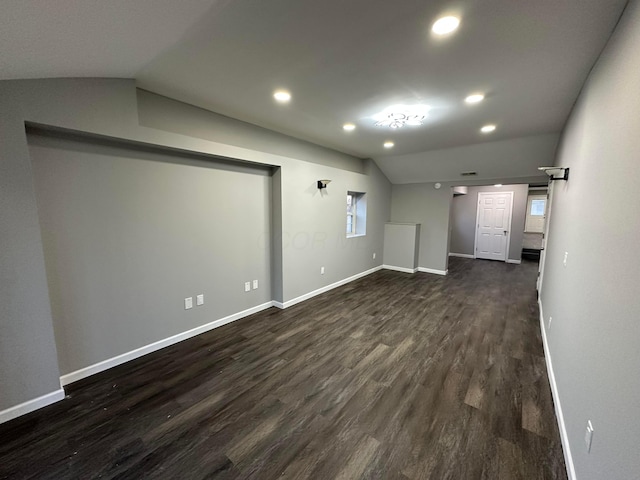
(493, 225)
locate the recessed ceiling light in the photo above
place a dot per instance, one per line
(282, 96)
(388, 144)
(445, 25)
(488, 128)
(349, 127)
(474, 98)
(498, 185)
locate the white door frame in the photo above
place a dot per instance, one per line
(545, 238)
(475, 244)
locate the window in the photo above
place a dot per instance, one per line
(356, 214)
(537, 208)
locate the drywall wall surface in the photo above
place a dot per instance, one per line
(314, 225)
(401, 247)
(28, 366)
(105, 110)
(424, 204)
(594, 301)
(515, 158)
(163, 113)
(129, 235)
(463, 217)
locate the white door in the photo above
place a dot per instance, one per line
(493, 225)
(536, 213)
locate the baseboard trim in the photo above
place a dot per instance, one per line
(517, 262)
(152, 347)
(31, 405)
(564, 438)
(461, 255)
(306, 296)
(400, 269)
(433, 270)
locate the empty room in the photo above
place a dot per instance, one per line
(246, 239)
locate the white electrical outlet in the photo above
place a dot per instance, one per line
(247, 286)
(550, 318)
(588, 436)
(321, 270)
(188, 303)
(564, 260)
(255, 284)
(200, 299)
(374, 256)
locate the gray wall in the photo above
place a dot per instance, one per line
(28, 366)
(312, 226)
(463, 219)
(594, 302)
(401, 245)
(128, 235)
(422, 203)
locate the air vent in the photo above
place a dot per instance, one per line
(468, 174)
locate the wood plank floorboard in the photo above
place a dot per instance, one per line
(393, 376)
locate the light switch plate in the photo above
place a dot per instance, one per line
(255, 284)
(374, 256)
(564, 260)
(188, 303)
(200, 299)
(588, 436)
(321, 270)
(247, 286)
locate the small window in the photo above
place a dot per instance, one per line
(356, 214)
(537, 208)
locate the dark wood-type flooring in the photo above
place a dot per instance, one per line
(393, 376)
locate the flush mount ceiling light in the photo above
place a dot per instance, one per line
(388, 144)
(282, 96)
(474, 98)
(498, 185)
(445, 25)
(397, 116)
(349, 127)
(488, 128)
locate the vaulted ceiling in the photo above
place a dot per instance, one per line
(342, 61)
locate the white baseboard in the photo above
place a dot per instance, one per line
(517, 262)
(31, 405)
(400, 269)
(339, 283)
(433, 270)
(461, 255)
(152, 347)
(564, 438)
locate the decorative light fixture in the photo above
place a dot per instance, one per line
(488, 128)
(445, 25)
(388, 144)
(553, 171)
(474, 98)
(349, 127)
(282, 96)
(323, 184)
(397, 116)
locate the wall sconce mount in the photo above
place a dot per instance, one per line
(556, 173)
(323, 184)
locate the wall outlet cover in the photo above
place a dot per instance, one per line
(255, 284)
(188, 303)
(374, 256)
(200, 299)
(247, 286)
(321, 270)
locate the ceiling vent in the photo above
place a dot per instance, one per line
(468, 174)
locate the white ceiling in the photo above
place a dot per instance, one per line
(341, 60)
